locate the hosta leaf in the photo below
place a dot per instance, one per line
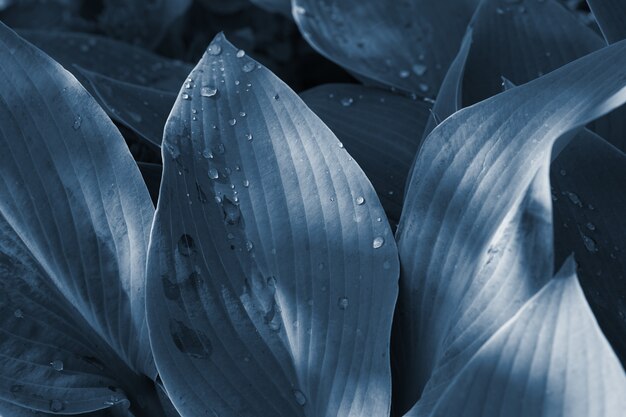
(273, 272)
(74, 224)
(521, 41)
(381, 130)
(141, 109)
(550, 359)
(140, 21)
(610, 15)
(408, 44)
(588, 181)
(111, 58)
(471, 174)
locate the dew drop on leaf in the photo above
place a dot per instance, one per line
(360, 200)
(591, 226)
(232, 122)
(342, 303)
(214, 49)
(589, 243)
(299, 396)
(249, 136)
(57, 365)
(186, 245)
(248, 67)
(56, 406)
(240, 53)
(213, 174)
(207, 153)
(419, 69)
(249, 246)
(404, 74)
(186, 96)
(18, 313)
(423, 87)
(208, 91)
(346, 101)
(378, 242)
(77, 122)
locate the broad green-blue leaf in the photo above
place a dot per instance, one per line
(404, 44)
(472, 173)
(381, 130)
(610, 15)
(74, 225)
(273, 272)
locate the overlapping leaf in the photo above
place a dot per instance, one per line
(273, 272)
(471, 176)
(407, 44)
(610, 15)
(74, 224)
(381, 130)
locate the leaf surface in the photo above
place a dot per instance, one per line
(273, 272)
(381, 130)
(470, 176)
(610, 15)
(74, 225)
(408, 45)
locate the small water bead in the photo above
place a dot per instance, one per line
(213, 174)
(419, 69)
(591, 226)
(423, 87)
(57, 365)
(276, 97)
(589, 243)
(246, 183)
(378, 242)
(249, 246)
(237, 82)
(77, 122)
(242, 113)
(360, 200)
(340, 145)
(232, 122)
(404, 74)
(214, 49)
(56, 406)
(249, 136)
(573, 198)
(299, 396)
(248, 67)
(208, 91)
(207, 153)
(342, 303)
(240, 53)
(220, 148)
(18, 313)
(346, 101)
(188, 85)
(186, 96)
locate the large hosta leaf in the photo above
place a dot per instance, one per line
(550, 359)
(109, 57)
(610, 15)
(273, 272)
(381, 130)
(74, 224)
(471, 175)
(404, 44)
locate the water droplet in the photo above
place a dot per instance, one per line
(248, 67)
(186, 245)
(346, 101)
(220, 148)
(249, 246)
(207, 153)
(246, 183)
(208, 91)
(342, 303)
(242, 113)
(188, 85)
(57, 365)
(340, 145)
(77, 122)
(423, 87)
(240, 53)
(378, 242)
(232, 214)
(299, 396)
(276, 97)
(590, 244)
(214, 49)
(56, 406)
(573, 198)
(500, 11)
(186, 96)
(249, 136)
(213, 174)
(359, 200)
(404, 74)
(591, 226)
(232, 122)
(419, 69)
(18, 313)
